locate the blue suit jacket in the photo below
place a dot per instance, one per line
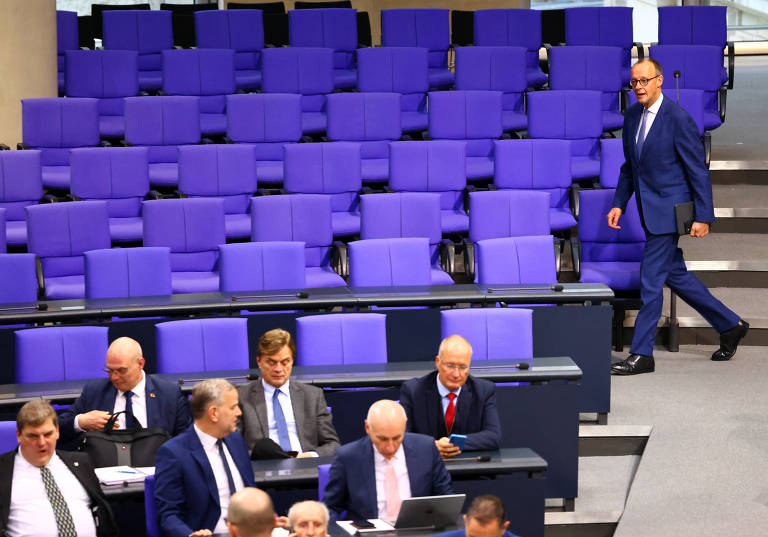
(167, 407)
(186, 495)
(462, 533)
(352, 479)
(476, 413)
(671, 169)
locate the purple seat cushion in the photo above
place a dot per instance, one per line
(323, 277)
(194, 282)
(65, 287)
(440, 277)
(128, 229)
(620, 275)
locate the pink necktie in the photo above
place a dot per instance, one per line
(392, 491)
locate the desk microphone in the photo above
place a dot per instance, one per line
(38, 307)
(677, 85)
(521, 365)
(250, 376)
(557, 288)
(300, 294)
(481, 458)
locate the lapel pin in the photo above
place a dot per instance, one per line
(76, 463)
(151, 394)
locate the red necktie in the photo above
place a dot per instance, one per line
(450, 412)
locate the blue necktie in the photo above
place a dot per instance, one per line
(230, 480)
(129, 421)
(641, 135)
(280, 423)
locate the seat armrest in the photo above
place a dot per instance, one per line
(722, 98)
(469, 259)
(638, 45)
(731, 63)
(576, 254)
(448, 256)
(340, 259)
(4, 147)
(40, 279)
(20, 146)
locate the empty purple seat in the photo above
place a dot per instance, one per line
(573, 115)
(609, 256)
(126, 272)
(496, 69)
(373, 120)
(335, 29)
(257, 266)
(405, 215)
(513, 28)
(148, 32)
(202, 345)
(433, 166)
(206, 73)
(21, 184)
(162, 124)
(341, 338)
(474, 116)
(193, 229)
(495, 334)
(18, 279)
(267, 122)
(611, 160)
(400, 70)
(56, 354)
(385, 262)
(516, 260)
(332, 169)
(306, 71)
(541, 165)
(59, 234)
(241, 30)
(3, 246)
(54, 126)
(299, 217)
(67, 38)
(226, 172)
(120, 177)
(508, 213)
(692, 100)
(109, 76)
(590, 68)
(426, 28)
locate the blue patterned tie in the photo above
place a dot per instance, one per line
(641, 135)
(280, 423)
(129, 421)
(61, 513)
(230, 480)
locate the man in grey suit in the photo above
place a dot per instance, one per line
(293, 415)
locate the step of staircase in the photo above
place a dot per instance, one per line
(741, 172)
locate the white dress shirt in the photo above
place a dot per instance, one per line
(443, 391)
(212, 452)
(287, 405)
(31, 514)
(651, 115)
(139, 402)
(401, 472)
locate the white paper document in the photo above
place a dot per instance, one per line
(115, 475)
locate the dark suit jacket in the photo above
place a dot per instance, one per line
(352, 478)
(167, 408)
(80, 466)
(313, 421)
(463, 533)
(185, 489)
(671, 169)
(476, 413)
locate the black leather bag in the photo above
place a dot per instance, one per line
(123, 447)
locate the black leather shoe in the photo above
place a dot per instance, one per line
(634, 365)
(729, 340)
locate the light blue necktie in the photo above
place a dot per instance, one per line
(280, 423)
(641, 135)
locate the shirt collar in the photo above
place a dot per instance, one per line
(379, 458)
(208, 441)
(140, 389)
(443, 391)
(654, 108)
(24, 463)
(269, 390)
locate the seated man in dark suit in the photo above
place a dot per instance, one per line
(251, 514)
(49, 493)
(486, 517)
(198, 471)
(450, 400)
(302, 423)
(154, 402)
(370, 477)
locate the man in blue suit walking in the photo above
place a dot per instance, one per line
(664, 166)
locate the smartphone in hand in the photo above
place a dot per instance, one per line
(458, 440)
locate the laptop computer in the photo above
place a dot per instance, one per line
(430, 512)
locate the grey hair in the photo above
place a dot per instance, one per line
(292, 512)
(452, 340)
(207, 393)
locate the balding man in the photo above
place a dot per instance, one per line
(251, 514)
(451, 401)
(153, 401)
(370, 477)
(486, 517)
(308, 519)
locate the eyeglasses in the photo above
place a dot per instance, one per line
(461, 368)
(642, 82)
(120, 371)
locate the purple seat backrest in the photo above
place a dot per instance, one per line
(66, 31)
(166, 120)
(59, 123)
(217, 170)
(60, 353)
(258, 118)
(405, 261)
(341, 338)
(693, 25)
(428, 28)
(3, 245)
(21, 182)
(510, 260)
(199, 72)
(146, 31)
(308, 71)
(256, 266)
(565, 114)
(202, 345)
(393, 69)
(465, 115)
(508, 27)
(18, 281)
(332, 28)
(491, 68)
(605, 26)
(694, 101)
(322, 168)
(239, 29)
(532, 164)
(508, 213)
(125, 272)
(699, 65)
(8, 439)
(102, 73)
(586, 68)
(431, 166)
(111, 173)
(364, 116)
(402, 214)
(611, 160)
(598, 241)
(494, 333)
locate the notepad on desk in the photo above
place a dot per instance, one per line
(116, 475)
(378, 525)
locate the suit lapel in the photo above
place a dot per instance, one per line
(109, 397)
(367, 479)
(198, 453)
(6, 470)
(463, 406)
(412, 460)
(259, 403)
(151, 401)
(234, 451)
(297, 403)
(435, 407)
(654, 133)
